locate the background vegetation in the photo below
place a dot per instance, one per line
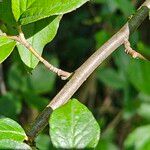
(118, 92)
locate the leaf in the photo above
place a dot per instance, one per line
(144, 110)
(18, 7)
(73, 126)
(6, 16)
(11, 103)
(144, 97)
(146, 146)
(38, 35)
(17, 78)
(34, 10)
(101, 37)
(138, 138)
(35, 101)
(6, 47)
(11, 144)
(9, 129)
(112, 5)
(140, 70)
(143, 48)
(106, 145)
(126, 7)
(107, 140)
(41, 73)
(111, 78)
(43, 142)
(121, 59)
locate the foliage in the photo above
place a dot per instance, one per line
(38, 20)
(12, 135)
(76, 128)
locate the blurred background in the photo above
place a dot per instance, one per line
(118, 92)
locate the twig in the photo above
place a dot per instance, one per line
(132, 52)
(2, 83)
(86, 69)
(21, 39)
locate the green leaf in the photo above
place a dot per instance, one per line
(121, 60)
(11, 103)
(111, 78)
(73, 126)
(126, 7)
(38, 35)
(146, 146)
(9, 129)
(6, 47)
(33, 10)
(18, 7)
(6, 14)
(140, 70)
(143, 48)
(18, 78)
(11, 144)
(101, 37)
(106, 145)
(41, 73)
(138, 138)
(107, 141)
(144, 110)
(43, 142)
(35, 101)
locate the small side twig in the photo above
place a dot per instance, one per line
(21, 39)
(131, 52)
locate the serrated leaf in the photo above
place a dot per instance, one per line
(11, 144)
(38, 35)
(6, 47)
(33, 10)
(9, 129)
(73, 126)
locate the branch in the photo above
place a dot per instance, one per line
(85, 70)
(21, 39)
